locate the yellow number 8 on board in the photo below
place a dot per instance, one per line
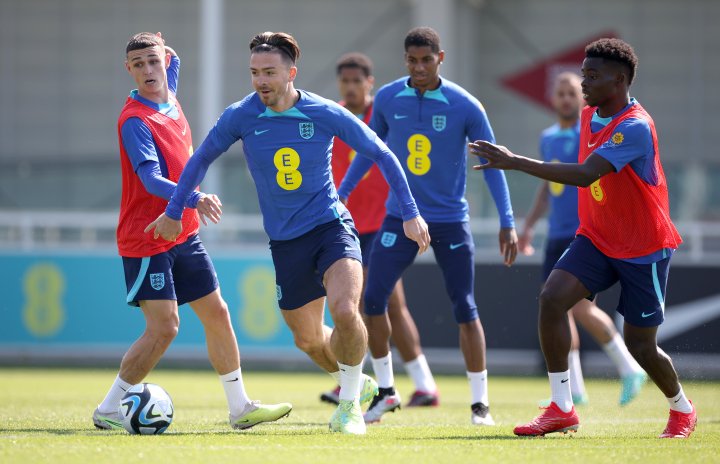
(43, 313)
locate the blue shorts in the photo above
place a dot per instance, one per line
(642, 286)
(393, 252)
(184, 273)
(300, 263)
(553, 252)
(366, 246)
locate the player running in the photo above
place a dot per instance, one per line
(367, 206)
(625, 234)
(560, 143)
(155, 144)
(428, 119)
(287, 136)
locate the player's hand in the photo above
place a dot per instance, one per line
(508, 245)
(210, 207)
(168, 229)
(417, 230)
(497, 156)
(343, 201)
(525, 242)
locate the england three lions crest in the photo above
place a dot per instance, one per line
(439, 121)
(157, 281)
(307, 130)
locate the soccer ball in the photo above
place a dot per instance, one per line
(146, 409)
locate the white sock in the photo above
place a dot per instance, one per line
(350, 381)
(478, 387)
(560, 390)
(680, 402)
(384, 370)
(335, 375)
(419, 371)
(618, 352)
(577, 384)
(235, 393)
(111, 403)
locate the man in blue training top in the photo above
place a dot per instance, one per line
(427, 120)
(287, 136)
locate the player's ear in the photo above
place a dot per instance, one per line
(168, 58)
(441, 55)
(127, 67)
(293, 73)
(371, 81)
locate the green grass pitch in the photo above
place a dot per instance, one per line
(45, 417)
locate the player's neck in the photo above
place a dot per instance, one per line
(159, 97)
(434, 84)
(287, 101)
(614, 106)
(360, 109)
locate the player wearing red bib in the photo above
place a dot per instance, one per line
(367, 206)
(155, 145)
(625, 235)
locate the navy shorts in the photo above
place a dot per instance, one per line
(393, 252)
(366, 246)
(300, 263)
(184, 273)
(642, 286)
(553, 252)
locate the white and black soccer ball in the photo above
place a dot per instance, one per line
(146, 409)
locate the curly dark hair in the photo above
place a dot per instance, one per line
(423, 37)
(355, 60)
(280, 42)
(615, 50)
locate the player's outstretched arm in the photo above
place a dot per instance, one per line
(580, 175)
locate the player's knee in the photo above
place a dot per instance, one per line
(641, 350)
(551, 300)
(165, 331)
(346, 317)
(309, 343)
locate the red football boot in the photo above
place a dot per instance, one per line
(421, 398)
(552, 420)
(680, 425)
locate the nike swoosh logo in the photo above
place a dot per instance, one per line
(590, 145)
(563, 381)
(677, 400)
(123, 389)
(234, 380)
(647, 315)
(454, 246)
(347, 248)
(399, 116)
(258, 132)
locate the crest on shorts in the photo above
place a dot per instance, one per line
(388, 239)
(307, 130)
(278, 292)
(439, 121)
(157, 281)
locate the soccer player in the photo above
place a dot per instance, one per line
(428, 120)
(367, 206)
(625, 234)
(155, 144)
(287, 136)
(560, 143)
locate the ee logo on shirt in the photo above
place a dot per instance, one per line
(418, 161)
(287, 162)
(597, 192)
